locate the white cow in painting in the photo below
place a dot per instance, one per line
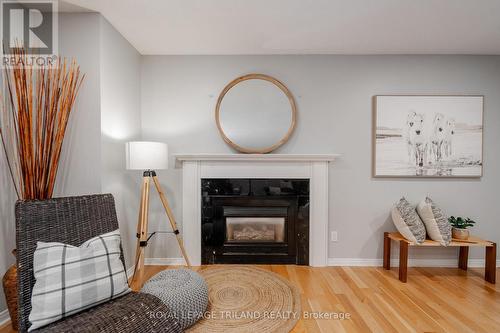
(438, 137)
(416, 138)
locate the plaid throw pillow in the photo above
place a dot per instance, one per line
(70, 279)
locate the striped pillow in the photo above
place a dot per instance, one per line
(70, 279)
(408, 222)
(436, 222)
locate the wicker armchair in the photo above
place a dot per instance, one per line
(73, 220)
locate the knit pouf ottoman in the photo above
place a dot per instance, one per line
(183, 291)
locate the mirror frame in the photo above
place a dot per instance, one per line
(277, 83)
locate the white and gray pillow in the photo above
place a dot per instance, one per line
(408, 222)
(436, 222)
(70, 279)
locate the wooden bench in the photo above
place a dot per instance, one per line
(490, 259)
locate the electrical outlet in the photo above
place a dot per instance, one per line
(333, 236)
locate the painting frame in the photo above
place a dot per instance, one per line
(375, 115)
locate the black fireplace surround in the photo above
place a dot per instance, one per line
(255, 221)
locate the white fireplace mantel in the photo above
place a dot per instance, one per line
(314, 167)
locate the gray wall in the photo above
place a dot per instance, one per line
(120, 122)
(79, 39)
(334, 96)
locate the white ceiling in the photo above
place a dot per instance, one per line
(305, 26)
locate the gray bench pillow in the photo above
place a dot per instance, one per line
(436, 222)
(407, 221)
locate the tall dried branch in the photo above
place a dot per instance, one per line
(35, 109)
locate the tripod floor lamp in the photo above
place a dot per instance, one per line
(148, 157)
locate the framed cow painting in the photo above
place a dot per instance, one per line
(428, 136)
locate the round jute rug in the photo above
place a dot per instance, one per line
(248, 299)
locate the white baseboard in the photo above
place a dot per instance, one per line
(165, 261)
(4, 317)
(158, 262)
(411, 262)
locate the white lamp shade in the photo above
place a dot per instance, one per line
(146, 155)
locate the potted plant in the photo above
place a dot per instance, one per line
(460, 225)
(35, 104)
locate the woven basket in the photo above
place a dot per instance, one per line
(9, 282)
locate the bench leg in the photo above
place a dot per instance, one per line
(490, 269)
(403, 261)
(463, 257)
(387, 251)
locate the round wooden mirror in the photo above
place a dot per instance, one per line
(255, 113)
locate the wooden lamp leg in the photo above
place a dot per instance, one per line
(171, 218)
(142, 234)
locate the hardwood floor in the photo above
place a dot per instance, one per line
(433, 300)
